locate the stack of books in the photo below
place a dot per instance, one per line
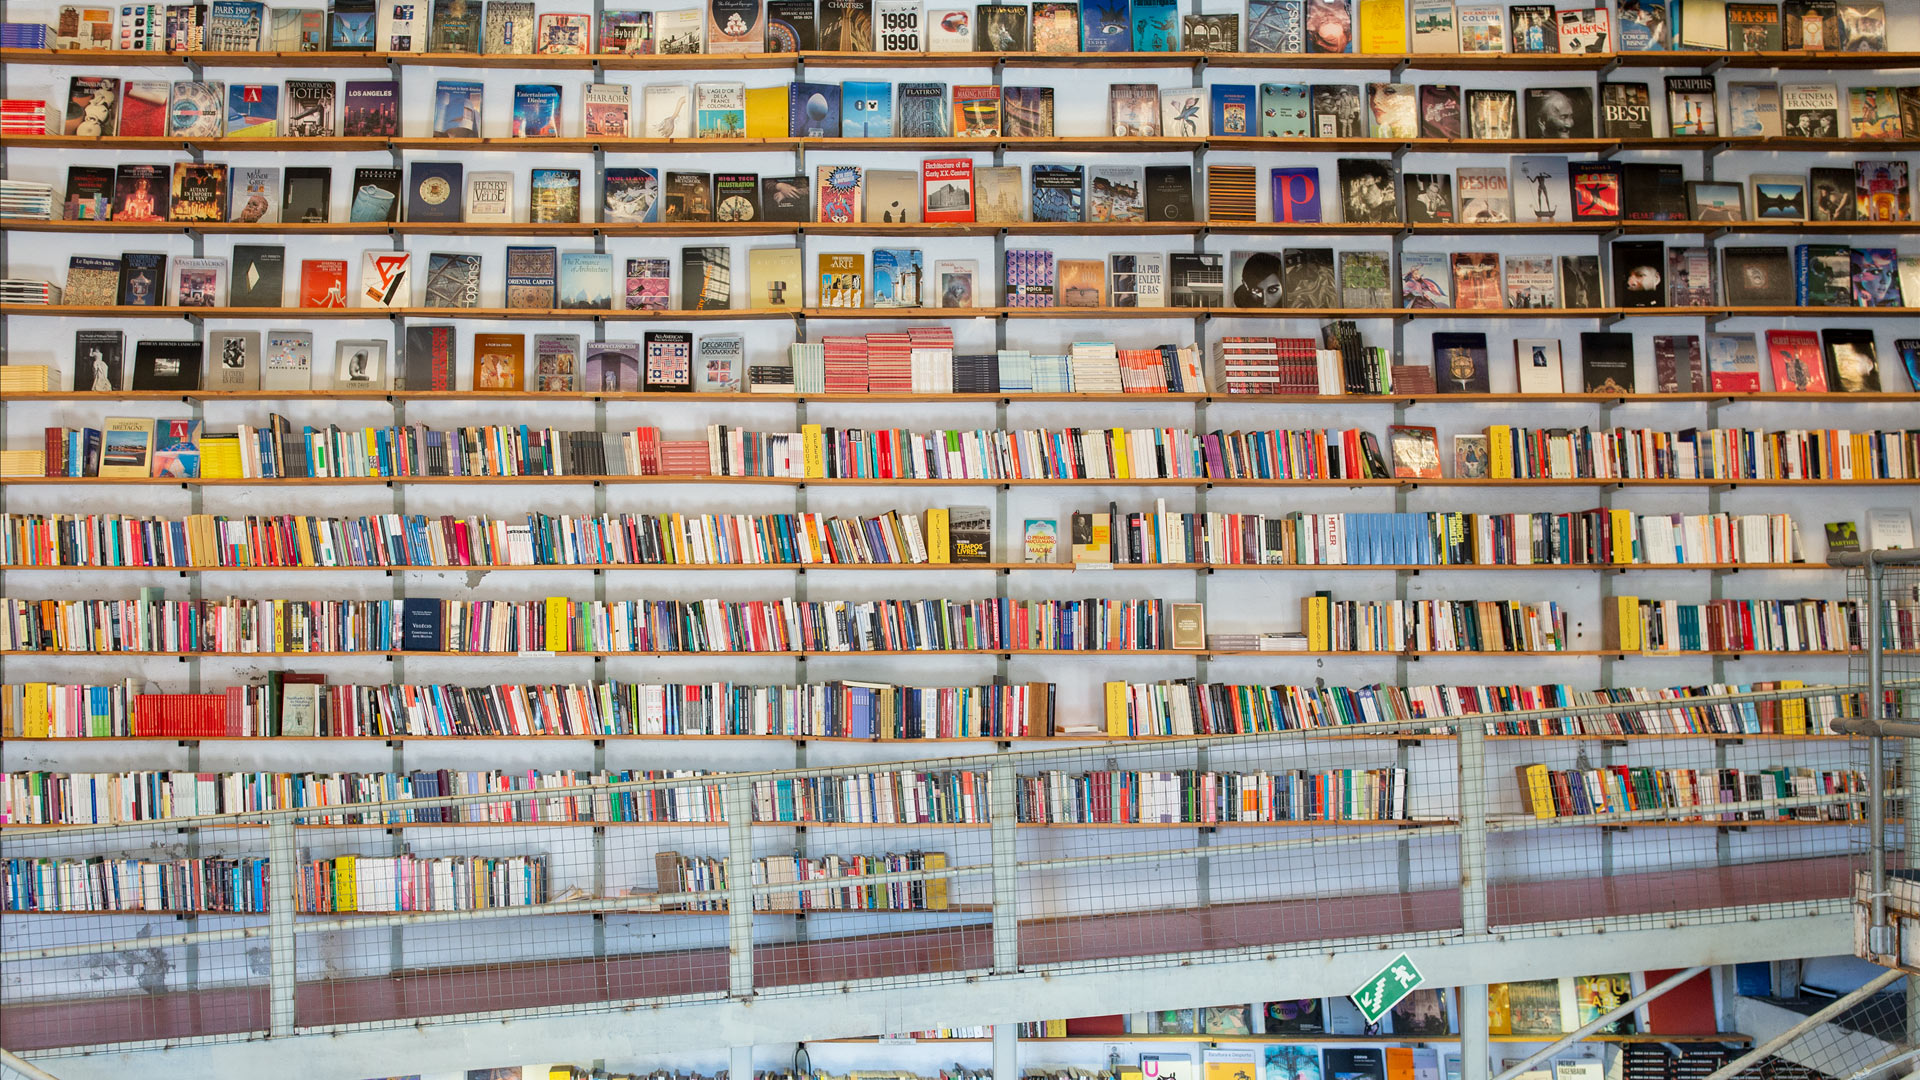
(976, 373)
(772, 378)
(24, 199)
(1016, 371)
(1052, 374)
(809, 367)
(684, 457)
(23, 462)
(889, 363)
(846, 364)
(932, 359)
(24, 379)
(1250, 365)
(1095, 367)
(1143, 371)
(28, 291)
(23, 116)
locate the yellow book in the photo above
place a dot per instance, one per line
(1624, 633)
(678, 534)
(1500, 449)
(1316, 614)
(1793, 711)
(220, 459)
(1117, 710)
(936, 889)
(1622, 537)
(939, 543)
(1538, 790)
(35, 724)
(557, 622)
(1383, 26)
(767, 112)
(814, 446)
(1122, 465)
(346, 887)
(279, 626)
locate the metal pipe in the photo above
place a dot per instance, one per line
(1472, 750)
(739, 808)
(24, 1067)
(1002, 810)
(1879, 933)
(283, 867)
(1476, 1048)
(1625, 1007)
(1832, 1009)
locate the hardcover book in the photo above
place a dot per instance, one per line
(679, 32)
(1286, 110)
(1626, 111)
(1336, 111)
(309, 108)
(976, 111)
(370, 109)
(1055, 27)
(736, 26)
(456, 109)
(1169, 193)
(1133, 109)
(536, 111)
(556, 363)
(613, 366)
(843, 281)
(1691, 105)
(434, 191)
(199, 192)
(259, 273)
(1753, 110)
(308, 195)
(1757, 276)
(1460, 363)
(376, 195)
(385, 280)
(499, 361)
(199, 282)
(720, 110)
(947, 189)
(323, 283)
(1058, 193)
(706, 282)
(453, 280)
(1026, 112)
(689, 197)
(510, 27)
(253, 111)
(774, 278)
(1558, 112)
(649, 284)
(1492, 114)
(891, 196)
(1425, 280)
(1114, 193)
(428, 363)
(866, 110)
(667, 361)
(532, 277)
(1794, 356)
(90, 193)
(1676, 363)
(196, 110)
(1476, 280)
(490, 196)
(630, 33)
(1853, 364)
(790, 26)
(846, 25)
(1606, 362)
(837, 192)
(555, 197)
(605, 109)
(897, 274)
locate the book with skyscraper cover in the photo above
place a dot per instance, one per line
(455, 27)
(1026, 112)
(309, 108)
(923, 110)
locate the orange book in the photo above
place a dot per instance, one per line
(499, 361)
(323, 283)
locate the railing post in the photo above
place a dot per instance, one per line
(1473, 828)
(1879, 933)
(738, 801)
(283, 869)
(1002, 808)
(1006, 1051)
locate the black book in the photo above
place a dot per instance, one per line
(1831, 195)
(1000, 28)
(1639, 273)
(1169, 194)
(1460, 363)
(89, 192)
(1606, 362)
(167, 365)
(705, 279)
(970, 534)
(1559, 112)
(370, 184)
(421, 622)
(429, 360)
(1367, 1063)
(142, 275)
(259, 273)
(1652, 191)
(97, 356)
(1626, 110)
(790, 26)
(688, 197)
(1757, 276)
(736, 197)
(1853, 364)
(1367, 190)
(309, 193)
(784, 198)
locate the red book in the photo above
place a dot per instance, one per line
(1797, 366)
(323, 283)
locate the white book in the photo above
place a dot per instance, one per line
(959, 283)
(949, 29)
(897, 26)
(1703, 24)
(490, 196)
(385, 281)
(668, 109)
(1183, 112)
(1536, 364)
(1890, 528)
(1137, 279)
(679, 31)
(1433, 27)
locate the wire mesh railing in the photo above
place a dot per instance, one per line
(368, 900)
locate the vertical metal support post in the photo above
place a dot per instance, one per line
(1475, 1047)
(282, 964)
(1879, 934)
(1006, 1052)
(738, 795)
(1473, 839)
(1203, 838)
(1001, 809)
(740, 1063)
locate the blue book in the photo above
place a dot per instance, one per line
(813, 110)
(1286, 110)
(253, 110)
(1233, 110)
(536, 111)
(435, 190)
(1156, 26)
(456, 109)
(1106, 26)
(1644, 25)
(866, 110)
(1058, 193)
(421, 622)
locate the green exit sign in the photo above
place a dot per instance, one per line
(1384, 991)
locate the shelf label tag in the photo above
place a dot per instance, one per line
(1384, 991)
(1092, 566)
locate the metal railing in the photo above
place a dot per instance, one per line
(1411, 830)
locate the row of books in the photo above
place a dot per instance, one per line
(240, 885)
(302, 705)
(1158, 536)
(251, 625)
(675, 872)
(890, 26)
(1645, 625)
(1391, 626)
(1702, 453)
(1551, 793)
(1115, 796)
(1187, 707)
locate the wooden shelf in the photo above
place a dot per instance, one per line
(1600, 821)
(637, 908)
(554, 793)
(866, 568)
(1732, 654)
(951, 229)
(777, 481)
(1678, 59)
(1341, 1040)
(1051, 144)
(1076, 737)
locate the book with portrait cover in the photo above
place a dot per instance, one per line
(253, 194)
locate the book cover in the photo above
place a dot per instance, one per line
(1133, 109)
(536, 111)
(1876, 281)
(891, 196)
(630, 195)
(376, 195)
(142, 274)
(1115, 193)
(428, 362)
(1483, 196)
(1286, 111)
(736, 197)
(253, 111)
(1639, 273)
(774, 278)
(1606, 367)
(259, 275)
(947, 189)
(1026, 112)
(167, 365)
(1329, 26)
(923, 110)
(1107, 27)
(954, 281)
(606, 109)
(490, 196)
(976, 111)
(556, 363)
(92, 281)
(323, 283)
(141, 193)
(93, 106)
(1757, 276)
(1429, 198)
(1691, 105)
(1585, 30)
(837, 192)
(1492, 114)
(586, 281)
(785, 198)
(667, 360)
(736, 26)
(630, 33)
(352, 26)
(1234, 110)
(668, 109)
(1133, 280)
(510, 27)
(1644, 25)
(1426, 280)
(1155, 25)
(196, 110)
(288, 360)
(532, 277)
(999, 193)
(434, 191)
(679, 32)
(1536, 363)
(1853, 364)
(1532, 282)
(706, 282)
(1476, 280)
(1058, 193)
(897, 274)
(950, 28)
(1881, 191)
(649, 284)
(613, 366)
(310, 105)
(456, 109)
(1183, 112)
(499, 362)
(143, 108)
(360, 366)
(1753, 110)
(866, 110)
(1540, 189)
(1211, 33)
(1597, 190)
(253, 194)
(370, 109)
(97, 361)
(720, 110)
(790, 26)
(846, 25)
(843, 280)
(1677, 365)
(400, 26)
(1365, 280)
(1030, 278)
(898, 26)
(554, 196)
(1793, 355)
(1558, 112)
(453, 280)
(385, 280)
(1367, 190)
(199, 192)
